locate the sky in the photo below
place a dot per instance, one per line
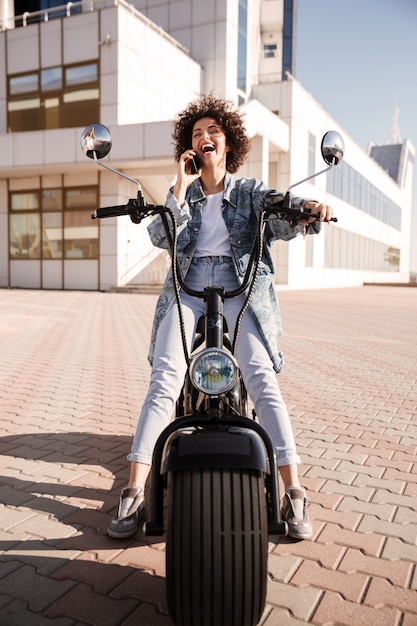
(358, 58)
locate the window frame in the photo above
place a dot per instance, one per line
(42, 214)
(65, 105)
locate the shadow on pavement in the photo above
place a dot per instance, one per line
(57, 560)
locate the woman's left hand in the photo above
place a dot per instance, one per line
(325, 211)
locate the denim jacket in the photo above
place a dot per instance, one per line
(242, 202)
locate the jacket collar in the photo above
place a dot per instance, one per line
(229, 185)
(197, 194)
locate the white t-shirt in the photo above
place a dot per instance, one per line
(213, 238)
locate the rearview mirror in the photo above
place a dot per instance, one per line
(332, 147)
(96, 140)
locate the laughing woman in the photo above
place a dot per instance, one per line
(216, 215)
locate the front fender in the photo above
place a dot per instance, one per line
(226, 449)
(192, 442)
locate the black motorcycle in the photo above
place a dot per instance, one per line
(214, 477)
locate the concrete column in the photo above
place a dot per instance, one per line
(258, 159)
(7, 13)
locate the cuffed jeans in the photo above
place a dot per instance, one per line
(169, 366)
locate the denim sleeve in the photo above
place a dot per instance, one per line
(156, 228)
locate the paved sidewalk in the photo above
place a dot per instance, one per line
(73, 373)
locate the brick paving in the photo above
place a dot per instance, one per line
(73, 373)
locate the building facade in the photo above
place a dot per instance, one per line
(132, 67)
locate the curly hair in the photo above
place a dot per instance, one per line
(226, 116)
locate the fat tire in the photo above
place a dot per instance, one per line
(216, 547)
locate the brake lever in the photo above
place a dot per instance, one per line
(280, 205)
(293, 216)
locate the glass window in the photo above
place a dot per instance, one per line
(25, 114)
(52, 199)
(51, 79)
(43, 100)
(81, 75)
(81, 105)
(242, 45)
(80, 232)
(24, 201)
(51, 108)
(54, 224)
(241, 69)
(24, 84)
(25, 236)
(348, 184)
(269, 50)
(80, 235)
(288, 37)
(85, 197)
(346, 250)
(52, 236)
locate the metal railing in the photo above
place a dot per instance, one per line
(44, 15)
(75, 8)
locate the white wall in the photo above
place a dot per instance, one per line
(138, 82)
(208, 29)
(146, 78)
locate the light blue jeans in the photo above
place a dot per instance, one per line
(169, 366)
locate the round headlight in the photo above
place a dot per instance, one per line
(213, 371)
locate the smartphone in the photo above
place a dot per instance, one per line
(194, 165)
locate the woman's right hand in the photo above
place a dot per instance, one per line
(184, 175)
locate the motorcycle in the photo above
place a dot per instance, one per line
(214, 475)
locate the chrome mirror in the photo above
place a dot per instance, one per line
(96, 141)
(332, 147)
(96, 144)
(332, 151)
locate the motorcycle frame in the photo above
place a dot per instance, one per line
(234, 435)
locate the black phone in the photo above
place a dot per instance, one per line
(193, 165)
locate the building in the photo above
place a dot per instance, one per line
(133, 67)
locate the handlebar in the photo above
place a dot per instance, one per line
(276, 205)
(136, 209)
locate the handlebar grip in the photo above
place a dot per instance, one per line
(292, 214)
(111, 211)
(317, 216)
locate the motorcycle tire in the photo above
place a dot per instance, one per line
(216, 547)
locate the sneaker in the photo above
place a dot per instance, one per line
(131, 510)
(294, 512)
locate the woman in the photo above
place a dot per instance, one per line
(216, 215)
